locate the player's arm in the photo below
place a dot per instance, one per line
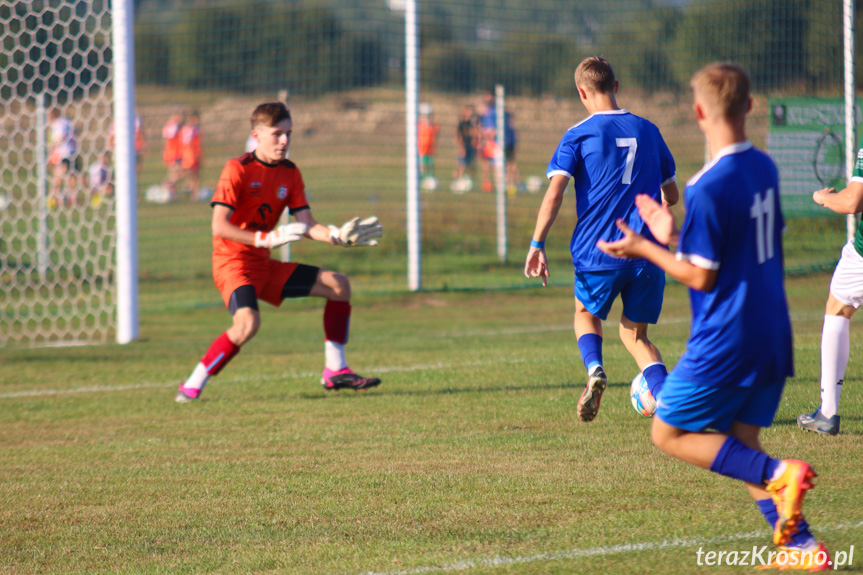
(225, 229)
(633, 245)
(670, 194)
(315, 230)
(848, 201)
(536, 263)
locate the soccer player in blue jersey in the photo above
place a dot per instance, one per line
(612, 156)
(728, 384)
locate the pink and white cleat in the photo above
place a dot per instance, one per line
(345, 378)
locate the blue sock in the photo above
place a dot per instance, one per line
(738, 461)
(655, 375)
(590, 346)
(801, 538)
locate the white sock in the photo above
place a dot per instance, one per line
(198, 379)
(835, 345)
(335, 355)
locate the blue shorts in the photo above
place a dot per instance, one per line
(693, 407)
(640, 289)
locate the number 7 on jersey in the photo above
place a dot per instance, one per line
(632, 144)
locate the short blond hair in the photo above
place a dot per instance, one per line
(594, 74)
(723, 87)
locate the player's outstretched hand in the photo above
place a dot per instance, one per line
(281, 235)
(818, 196)
(627, 246)
(658, 218)
(536, 265)
(358, 232)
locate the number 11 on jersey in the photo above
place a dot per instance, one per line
(763, 211)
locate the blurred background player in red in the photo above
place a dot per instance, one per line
(190, 154)
(140, 142)
(171, 153)
(427, 136)
(253, 191)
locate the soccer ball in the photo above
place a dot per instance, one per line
(462, 185)
(640, 396)
(534, 184)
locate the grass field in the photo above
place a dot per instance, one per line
(469, 458)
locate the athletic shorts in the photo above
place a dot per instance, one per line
(640, 289)
(695, 408)
(268, 278)
(847, 282)
(469, 155)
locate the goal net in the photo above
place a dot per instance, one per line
(56, 182)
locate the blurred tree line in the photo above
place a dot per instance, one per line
(530, 46)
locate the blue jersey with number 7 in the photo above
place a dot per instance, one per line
(741, 330)
(612, 157)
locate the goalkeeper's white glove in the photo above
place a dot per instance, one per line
(358, 233)
(281, 235)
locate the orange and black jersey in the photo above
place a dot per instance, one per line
(258, 193)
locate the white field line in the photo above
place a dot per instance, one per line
(498, 561)
(393, 369)
(290, 375)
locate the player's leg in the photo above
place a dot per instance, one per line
(686, 410)
(243, 305)
(802, 539)
(846, 295)
(594, 294)
(642, 296)
(336, 289)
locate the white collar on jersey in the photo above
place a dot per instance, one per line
(605, 112)
(733, 149)
(726, 151)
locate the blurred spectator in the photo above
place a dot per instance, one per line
(513, 176)
(140, 142)
(190, 153)
(427, 135)
(63, 159)
(99, 179)
(171, 153)
(466, 140)
(487, 141)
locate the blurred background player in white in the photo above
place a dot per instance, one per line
(729, 382)
(846, 295)
(62, 157)
(99, 179)
(253, 192)
(612, 156)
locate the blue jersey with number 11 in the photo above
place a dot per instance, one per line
(612, 156)
(741, 331)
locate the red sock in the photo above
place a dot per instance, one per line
(220, 353)
(337, 321)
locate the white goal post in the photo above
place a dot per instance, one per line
(67, 184)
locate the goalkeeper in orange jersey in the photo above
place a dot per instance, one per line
(253, 191)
